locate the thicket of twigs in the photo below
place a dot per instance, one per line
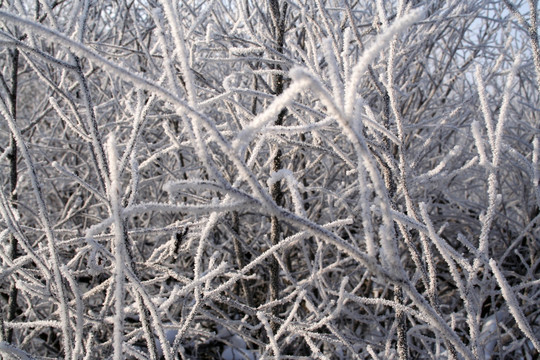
(283, 179)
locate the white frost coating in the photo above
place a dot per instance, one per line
(270, 113)
(181, 50)
(477, 135)
(157, 155)
(170, 334)
(67, 120)
(496, 147)
(389, 303)
(226, 83)
(273, 344)
(83, 183)
(5, 153)
(84, 51)
(240, 51)
(174, 187)
(168, 67)
(388, 241)
(536, 169)
(43, 215)
(268, 72)
(210, 32)
(347, 36)
(495, 137)
(365, 201)
(134, 177)
(342, 162)
(484, 105)
(79, 322)
(369, 55)
(451, 257)
(119, 247)
(382, 13)
(483, 243)
(372, 352)
(372, 123)
(292, 314)
(293, 186)
(170, 208)
(333, 71)
(316, 86)
(513, 304)
(292, 130)
(180, 292)
(289, 241)
(201, 17)
(456, 150)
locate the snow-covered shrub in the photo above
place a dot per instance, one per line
(269, 179)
